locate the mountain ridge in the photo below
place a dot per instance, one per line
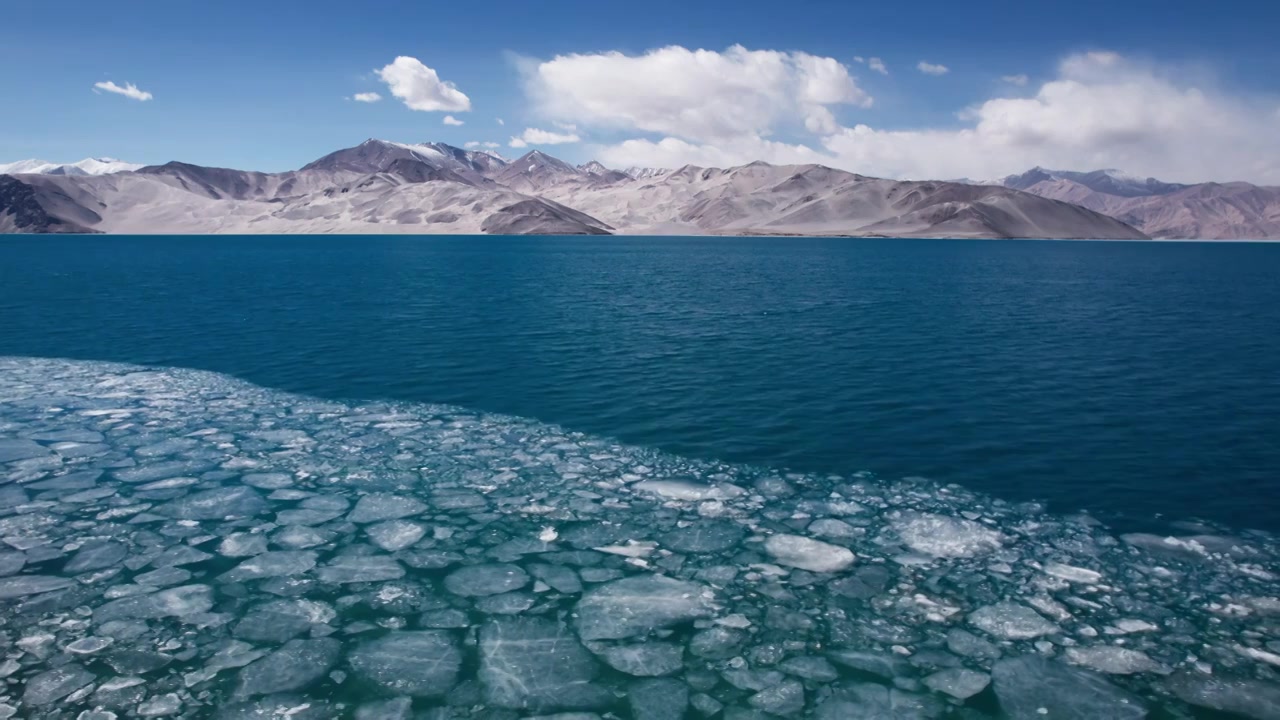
(384, 186)
(1183, 211)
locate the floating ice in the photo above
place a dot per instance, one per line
(478, 580)
(1011, 621)
(646, 659)
(1030, 688)
(393, 535)
(808, 554)
(186, 545)
(945, 537)
(421, 664)
(380, 506)
(635, 606)
(537, 664)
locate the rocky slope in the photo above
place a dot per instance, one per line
(386, 187)
(1207, 211)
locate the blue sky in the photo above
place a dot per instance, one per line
(267, 85)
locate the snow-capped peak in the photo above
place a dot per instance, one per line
(88, 166)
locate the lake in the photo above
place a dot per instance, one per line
(1134, 380)
(648, 478)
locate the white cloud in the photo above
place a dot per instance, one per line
(368, 97)
(421, 88)
(472, 145)
(878, 65)
(1019, 80)
(517, 143)
(501, 121)
(700, 95)
(129, 90)
(930, 69)
(451, 120)
(1101, 111)
(534, 136)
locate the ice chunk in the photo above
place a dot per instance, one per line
(272, 564)
(645, 660)
(1246, 697)
(944, 536)
(360, 568)
(419, 663)
(20, 585)
(959, 683)
(53, 685)
(173, 602)
(400, 708)
(637, 605)
(809, 667)
(1030, 688)
(96, 556)
(280, 620)
(293, 667)
(537, 664)
(89, 645)
(1112, 660)
(808, 554)
(395, 535)
(218, 503)
(680, 490)
(178, 556)
(832, 528)
(785, 698)
(242, 545)
(160, 705)
(1011, 621)
(490, 579)
(11, 450)
(963, 642)
(664, 699)
(268, 481)
(382, 506)
(1071, 573)
(709, 536)
(511, 603)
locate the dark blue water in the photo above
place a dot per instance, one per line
(1131, 379)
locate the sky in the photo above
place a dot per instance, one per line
(1181, 90)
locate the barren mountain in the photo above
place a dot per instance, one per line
(382, 187)
(1207, 211)
(815, 200)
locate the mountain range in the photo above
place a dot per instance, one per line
(388, 187)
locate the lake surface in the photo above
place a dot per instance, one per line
(657, 479)
(1134, 380)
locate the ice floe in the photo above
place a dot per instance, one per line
(176, 543)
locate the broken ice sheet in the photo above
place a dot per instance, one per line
(223, 550)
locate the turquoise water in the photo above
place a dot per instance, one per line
(1130, 379)
(657, 479)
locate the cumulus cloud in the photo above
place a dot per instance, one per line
(472, 145)
(129, 90)
(700, 95)
(929, 68)
(878, 65)
(368, 97)
(501, 121)
(421, 88)
(1019, 80)
(1102, 110)
(535, 136)
(517, 143)
(451, 120)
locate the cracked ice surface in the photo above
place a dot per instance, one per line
(177, 543)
